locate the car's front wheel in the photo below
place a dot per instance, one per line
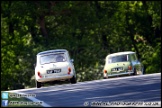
(142, 71)
(38, 84)
(73, 80)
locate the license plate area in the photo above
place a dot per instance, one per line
(53, 71)
(117, 69)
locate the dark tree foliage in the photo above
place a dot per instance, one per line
(89, 30)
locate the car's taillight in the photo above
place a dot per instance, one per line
(105, 71)
(69, 70)
(39, 75)
(129, 67)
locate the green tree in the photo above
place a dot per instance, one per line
(90, 30)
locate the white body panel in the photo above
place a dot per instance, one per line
(54, 67)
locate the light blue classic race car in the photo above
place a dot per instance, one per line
(122, 63)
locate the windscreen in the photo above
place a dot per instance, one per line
(51, 58)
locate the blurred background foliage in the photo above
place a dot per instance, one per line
(89, 30)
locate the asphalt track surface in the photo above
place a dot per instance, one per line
(120, 91)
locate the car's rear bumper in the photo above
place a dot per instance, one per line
(118, 74)
(54, 78)
(124, 73)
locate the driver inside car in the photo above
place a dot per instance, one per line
(60, 58)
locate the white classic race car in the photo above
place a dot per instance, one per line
(53, 65)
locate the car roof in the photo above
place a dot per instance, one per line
(121, 53)
(52, 51)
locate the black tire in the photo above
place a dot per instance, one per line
(38, 84)
(134, 71)
(73, 80)
(143, 70)
(105, 77)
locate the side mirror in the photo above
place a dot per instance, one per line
(72, 60)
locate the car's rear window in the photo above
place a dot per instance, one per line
(120, 58)
(51, 58)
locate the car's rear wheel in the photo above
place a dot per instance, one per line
(38, 84)
(105, 77)
(73, 80)
(134, 71)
